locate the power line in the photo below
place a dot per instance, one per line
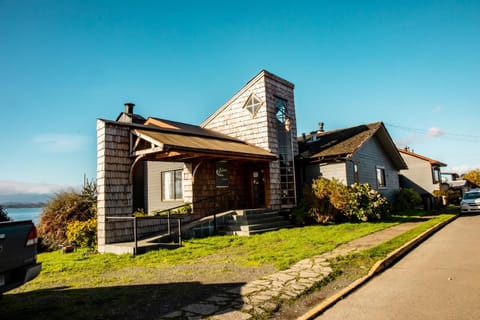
(449, 135)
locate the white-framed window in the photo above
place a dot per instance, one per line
(172, 185)
(253, 104)
(356, 176)
(381, 181)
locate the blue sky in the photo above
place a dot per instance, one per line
(415, 65)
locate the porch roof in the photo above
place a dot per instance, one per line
(166, 140)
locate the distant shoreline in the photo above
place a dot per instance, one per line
(23, 205)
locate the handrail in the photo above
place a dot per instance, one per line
(193, 203)
(168, 218)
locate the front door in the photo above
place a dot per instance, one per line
(258, 188)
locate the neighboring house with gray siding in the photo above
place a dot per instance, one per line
(423, 173)
(361, 154)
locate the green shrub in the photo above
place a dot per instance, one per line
(185, 209)
(140, 213)
(300, 215)
(83, 233)
(453, 195)
(4, 215)
(365, 203)
(407, 199)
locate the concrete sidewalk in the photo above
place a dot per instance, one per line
(259, 297)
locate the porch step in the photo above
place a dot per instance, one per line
(255, 221)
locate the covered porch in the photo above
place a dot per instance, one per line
(213, 172)
(218, 173)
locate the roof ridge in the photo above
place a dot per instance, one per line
(419, 156)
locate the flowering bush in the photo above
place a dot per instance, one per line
(366, 204)
(330, 200)
(327, 200)
(83, 233)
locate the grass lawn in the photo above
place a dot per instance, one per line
(84, 285)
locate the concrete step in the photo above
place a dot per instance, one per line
(264, 218)
(260, 226)
(252, 221)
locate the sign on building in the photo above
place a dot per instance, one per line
(221, 174)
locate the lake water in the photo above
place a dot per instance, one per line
(17, 214)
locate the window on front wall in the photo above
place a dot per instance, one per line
(172, 185)
(436, 175)
(381, 182)
(285, 152)
(253, 104)
(356, 177)
(281, 109)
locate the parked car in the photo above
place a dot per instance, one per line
(471, 201)
(18, 254)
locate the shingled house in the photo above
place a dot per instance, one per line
(241, 157)
(360, 154)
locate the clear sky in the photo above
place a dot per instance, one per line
(415, 65)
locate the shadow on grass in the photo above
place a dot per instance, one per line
(121, 302)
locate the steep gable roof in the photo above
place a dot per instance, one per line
(259, 77)
(416, 155)
(344, 143)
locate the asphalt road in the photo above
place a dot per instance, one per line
(440, 279)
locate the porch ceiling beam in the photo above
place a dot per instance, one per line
(146, 138)
(137, 143)
(147, 151)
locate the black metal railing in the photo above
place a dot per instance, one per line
(135, 227)
(214, 208)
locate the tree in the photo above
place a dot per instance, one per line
(473, 177)
(64, 208)
(407, 199)
(3, 215)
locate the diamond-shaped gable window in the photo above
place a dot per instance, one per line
(253, 104)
